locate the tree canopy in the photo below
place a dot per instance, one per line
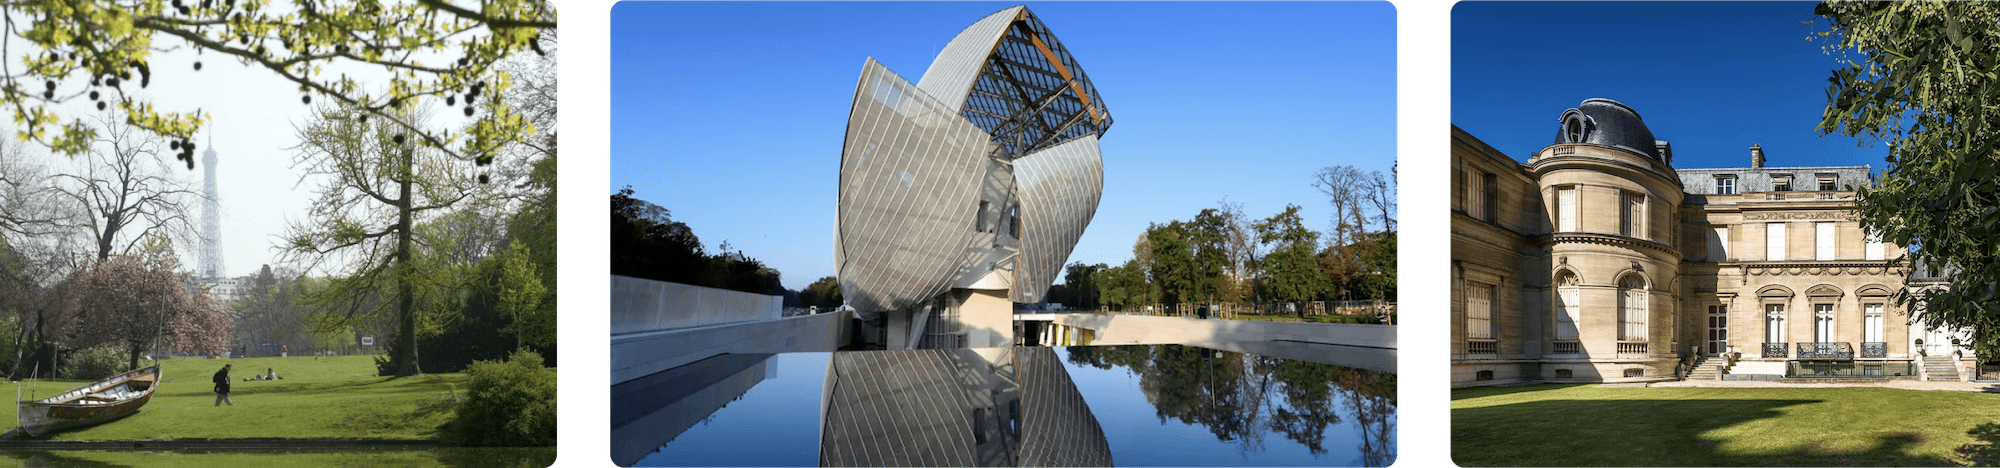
(1924, 78)
(429, 50)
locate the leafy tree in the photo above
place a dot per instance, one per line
(1375, 255)
(377, 187)
(433, 50)
(1292, 271)
(1924, 77)
(646, 242)
(1081, 281)
(1172, 266)
(521, 294)
(824, 292)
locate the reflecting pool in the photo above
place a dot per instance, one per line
(1145, 405)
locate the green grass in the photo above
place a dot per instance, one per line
(1585, 425)
(451, 457)
(320, 398)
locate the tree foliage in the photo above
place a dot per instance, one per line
(647, 243)
(376, 187)
(428, 50)
(1292, 272)
(1924, 78)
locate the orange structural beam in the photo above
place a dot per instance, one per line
(1074, 85)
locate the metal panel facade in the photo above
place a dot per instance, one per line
(909, 190)
(1059, 189)
(982, 176)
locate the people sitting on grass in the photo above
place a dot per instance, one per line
(269, 374)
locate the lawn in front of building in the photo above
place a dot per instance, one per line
(1590, 425)
(329, 397)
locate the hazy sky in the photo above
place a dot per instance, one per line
(731, 115)
(1711, 77)
(252, 131)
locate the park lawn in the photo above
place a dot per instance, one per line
(458, 457)
(335, 397)
(1587, 425)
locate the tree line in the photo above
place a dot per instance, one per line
(1222, 255)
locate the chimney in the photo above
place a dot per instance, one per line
(1756, 156)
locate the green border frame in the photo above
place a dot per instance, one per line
(1423, 31)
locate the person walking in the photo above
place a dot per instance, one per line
(222, 386)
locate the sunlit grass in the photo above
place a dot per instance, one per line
(319, 398)
(1587, 425)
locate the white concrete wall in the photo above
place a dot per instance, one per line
(643, 305)
(638, 355)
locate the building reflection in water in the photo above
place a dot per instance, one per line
(956, 407)
(1020, 407)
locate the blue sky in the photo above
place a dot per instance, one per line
(731, 115)
(1711, 77)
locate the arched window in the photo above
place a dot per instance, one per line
(1568, 305)
(1632, 308)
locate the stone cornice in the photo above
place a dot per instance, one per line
(1834, 267)
(1606, 239)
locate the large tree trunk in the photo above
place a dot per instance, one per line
(406, 336)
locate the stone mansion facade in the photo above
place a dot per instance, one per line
(1597, 261)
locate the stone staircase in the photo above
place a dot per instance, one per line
(1940, 368)
(1708, 368)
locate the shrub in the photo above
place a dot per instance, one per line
(94, 363)
(509, 403)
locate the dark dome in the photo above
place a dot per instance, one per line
(1606, 122)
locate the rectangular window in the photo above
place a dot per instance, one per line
(1566, 209)
(1826, 182)
(1569, 310)
(1874, 249)
(1774, 241)
(1633, 316)
(1725, 185)
(1491, 186)
(1823, 241)
(1718, 329)
(1718, 244)
(1632, 219)
(1774, 323)
(1479, 311)
(1781, 183)
(1475, 194)
(1871, 324)
(1823, 323)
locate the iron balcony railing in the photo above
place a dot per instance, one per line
(1874, 349)
(1774, 350)
(1825, 350)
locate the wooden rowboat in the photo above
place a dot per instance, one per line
(101, 401)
